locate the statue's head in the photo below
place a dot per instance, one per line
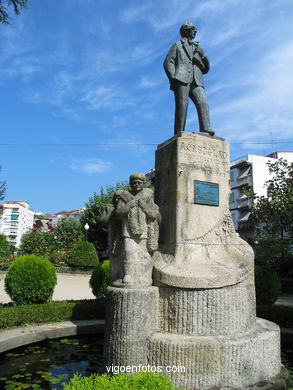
(137, 181)
(188, 30)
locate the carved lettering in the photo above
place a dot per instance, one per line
(204, 150)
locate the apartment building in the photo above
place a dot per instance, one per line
(52, 219)
(250, 171)
(16, 218)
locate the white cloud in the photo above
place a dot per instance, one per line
(263, 102)
(133, 14)
(106, 97)
(147, 82)
(90, 166)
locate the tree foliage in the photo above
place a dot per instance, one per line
(275, 209)
(6, 251)
(93, 212)
(54, 244)
(5, 4)
(38, 243)
(69, 229)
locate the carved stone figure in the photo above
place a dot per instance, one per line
(133, 227)
(185, 64)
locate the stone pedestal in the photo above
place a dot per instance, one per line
(205, 275)
(222, 362)
(131, 317)
(198, 244)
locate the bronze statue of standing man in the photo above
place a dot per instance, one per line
(185, 64)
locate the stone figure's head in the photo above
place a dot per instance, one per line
(137, 181)
(188, 30)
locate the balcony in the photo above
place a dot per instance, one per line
(245, 181)
(243, 202)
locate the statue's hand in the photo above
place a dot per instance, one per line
(132, 203)
(142, 204)
(198, 49)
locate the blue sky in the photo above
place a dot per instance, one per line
(89, 73)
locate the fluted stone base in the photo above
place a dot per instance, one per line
(208, 312)
(237, 361)
(131, 316)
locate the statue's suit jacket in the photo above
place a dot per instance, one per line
(186, 63)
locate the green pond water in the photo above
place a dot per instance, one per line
(50, 364)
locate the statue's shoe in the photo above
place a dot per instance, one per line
(209, 131)
(117, 283)
(127, 280)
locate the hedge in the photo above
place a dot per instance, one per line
(16, 316)
(287, 285)
(267, 286)
(82, 254)
(281, 315)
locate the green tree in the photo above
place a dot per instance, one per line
(93, 212)
(6, 251)
(273, 215)
(68, 230)
(38, 243)
(2, 188)
(275, 209)
(5, 4)
(53, 245)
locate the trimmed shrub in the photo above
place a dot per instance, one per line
(287, 285)
(101, 279)
(82, 254)
(30, 279)
(56, 311)
(138, 381)
(267, 286)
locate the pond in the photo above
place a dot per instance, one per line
(50, 364)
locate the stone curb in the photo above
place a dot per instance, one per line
(14, 338)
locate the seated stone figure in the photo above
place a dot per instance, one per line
(133, 227)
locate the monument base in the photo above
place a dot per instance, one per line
(131, 316)
(222, 362)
